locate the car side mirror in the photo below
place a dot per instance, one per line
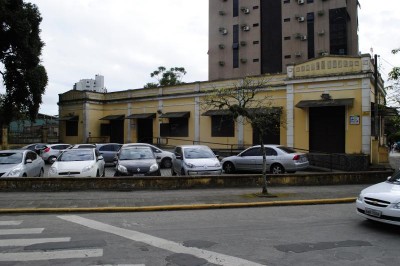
(179, 157)
(28, 161)
(100, 158)
(53, 160)
(387, 179)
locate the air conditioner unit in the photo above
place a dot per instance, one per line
(245, 28)
(324, 53)
(222, 13)
(303, 38)
(300, 2)
(221, 63)
(321, 32)
(245, 10)
(300, 19)
(243, 60)
(223, 31)
(297, 54)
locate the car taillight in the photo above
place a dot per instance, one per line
(296, 157)
(46, 150)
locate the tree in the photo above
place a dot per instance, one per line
(392, 127)
(24, 78)
(247, 102)
(165, 77)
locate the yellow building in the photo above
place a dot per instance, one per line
(328, 104)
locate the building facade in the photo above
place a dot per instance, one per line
(96, 84)
(327, 106)
(254, 37)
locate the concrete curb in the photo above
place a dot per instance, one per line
(181, 207)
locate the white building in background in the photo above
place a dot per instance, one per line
(96, 84)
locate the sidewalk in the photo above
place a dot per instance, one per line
(111, 201)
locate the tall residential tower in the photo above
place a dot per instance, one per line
(253, 37)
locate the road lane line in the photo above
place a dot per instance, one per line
(2, 223)
(51, 255)
(212, 257)
(22, 231)
(31, 241)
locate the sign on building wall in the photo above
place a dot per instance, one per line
(354, 120)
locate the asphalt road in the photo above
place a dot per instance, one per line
(295, 235)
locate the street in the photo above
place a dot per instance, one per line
(295, 235)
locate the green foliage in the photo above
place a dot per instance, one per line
(165, 77)
(24, 78)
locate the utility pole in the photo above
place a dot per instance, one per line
(376, 98)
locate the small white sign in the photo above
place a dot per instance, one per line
(354, 120)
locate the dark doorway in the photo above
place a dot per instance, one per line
(145, 130)
(117, 131)
(327, 129)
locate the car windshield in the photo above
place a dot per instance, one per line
(395, 178)
(198, 153)
(76, 155)
(138, 153)
(10, 158)
(286, 149)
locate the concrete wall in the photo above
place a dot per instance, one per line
(196, 182)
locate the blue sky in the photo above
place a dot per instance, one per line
(126, 40)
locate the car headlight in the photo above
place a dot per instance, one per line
(87, 168)
(217, 164)
(15, 172)
(190, 165)
(360, 197)
(122, 169)
(52, 171)
(154, 167)
(397, 206)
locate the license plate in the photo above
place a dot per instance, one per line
(372, 212)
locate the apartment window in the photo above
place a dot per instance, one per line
(177, 127)
(338, 31)
(222, 126)
(71, 128)
(310, 35)
(235, 8)
(235, 46)
(286, 20)
(286, 38)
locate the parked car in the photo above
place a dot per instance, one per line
(108, 151)
(84, 162)
(136, 161)
(381, 202)
(195, 160)
(83, 146)
(164, 157)
(20, 163)
(280, 159)
(36, 147)
(52, 151)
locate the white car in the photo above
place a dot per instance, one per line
(78, 163)
(20, 163)
(164, 158)
(195, 160)
(381, 202)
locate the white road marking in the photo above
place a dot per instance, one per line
(10, 223)
(31, 241)
(21, 231)
(210, 256)
(51, 255)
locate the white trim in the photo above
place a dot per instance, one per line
(366, 116)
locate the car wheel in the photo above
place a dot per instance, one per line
(173, 172)
(229, 168)
(277, 169)
(50, 159)
(24, 175)
(166, 163)
(41, 173)
(183, 171)
(104, 172)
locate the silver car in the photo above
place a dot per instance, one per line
(20, 163)
(280, 159)
(195, 160)
(164, 158)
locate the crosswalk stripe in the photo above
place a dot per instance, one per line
(212, 257)
(31, 241)
(2, 223)
(21, 231)
(51, 255)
